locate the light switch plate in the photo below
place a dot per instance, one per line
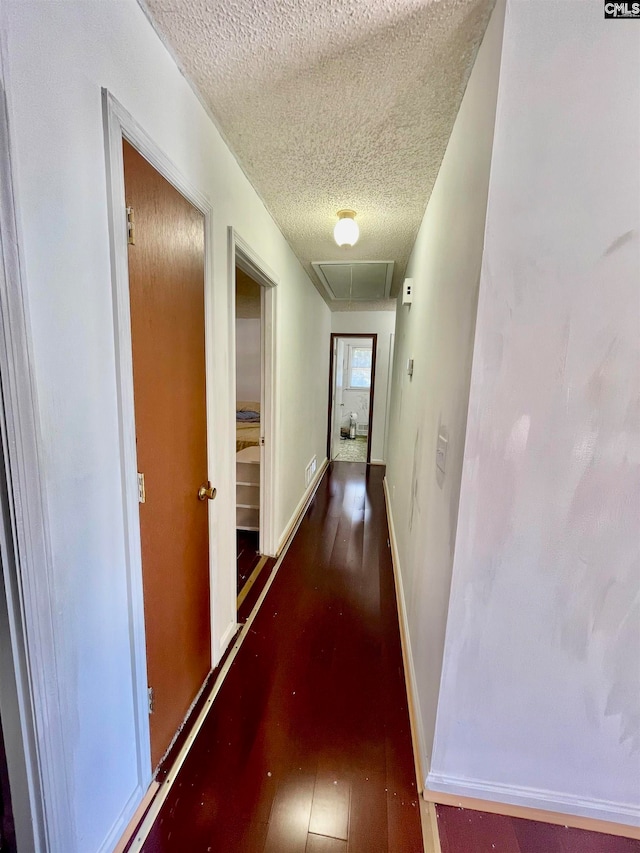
(441, 452)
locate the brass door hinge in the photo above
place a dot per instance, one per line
(150, 697)
(131, 227)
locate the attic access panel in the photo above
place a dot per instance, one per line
(355, 281)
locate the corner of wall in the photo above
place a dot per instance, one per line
(437, 331)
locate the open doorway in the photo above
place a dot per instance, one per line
(351, 384)
(249, 434)
(253, 328)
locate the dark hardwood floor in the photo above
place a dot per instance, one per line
(465, 831)
(307, 746)
(253, 571)
(248, 555)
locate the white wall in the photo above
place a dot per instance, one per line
(358, 402)
(303, 367)
(381, 323)
(58, 56)
(437, 332)
(540, 698)
(248, 361)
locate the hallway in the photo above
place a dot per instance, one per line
(307, 746)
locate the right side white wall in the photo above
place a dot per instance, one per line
(436, 331)
(540, 693)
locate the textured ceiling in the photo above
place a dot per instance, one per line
(330, 104)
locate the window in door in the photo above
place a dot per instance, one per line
(359, 368)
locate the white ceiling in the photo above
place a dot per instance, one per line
(330, 104)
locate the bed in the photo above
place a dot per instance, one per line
(247, 425)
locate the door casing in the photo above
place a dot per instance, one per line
(241, 254)
(334, 336)
(33, 686)
(119, 124)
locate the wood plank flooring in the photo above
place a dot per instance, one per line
(307, 746)
(253, 572)
(248, 555)
(463, 830)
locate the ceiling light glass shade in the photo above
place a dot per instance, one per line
(346, 231)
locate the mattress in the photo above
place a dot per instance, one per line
(247, 435)
(247, 432)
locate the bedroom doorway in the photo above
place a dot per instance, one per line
(252, 319)
(249, 558)
(351, 385)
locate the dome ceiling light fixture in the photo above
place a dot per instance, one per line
(346, 231)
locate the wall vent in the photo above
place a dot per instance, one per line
(310, 470)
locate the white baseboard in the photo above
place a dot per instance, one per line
(378, 462)
(121, 823)
(302, 504)
(616, 818)
(137, 816)
(415, 715)
(535, 799)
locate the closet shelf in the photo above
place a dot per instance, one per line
(248, 489)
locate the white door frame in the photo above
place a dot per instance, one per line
(15, 693)
(347, 337)
(119, 124)
(241, 254)
(35, 691)
(335, 405)
(392, 339)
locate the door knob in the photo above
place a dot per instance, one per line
(206, 491)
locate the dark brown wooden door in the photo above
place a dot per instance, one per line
(166, 280)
